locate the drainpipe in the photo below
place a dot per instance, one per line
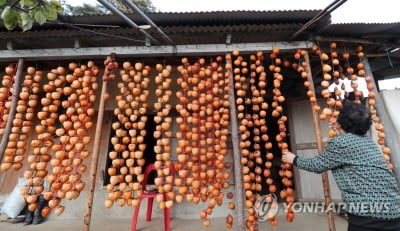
(148, 20)
(112, 8)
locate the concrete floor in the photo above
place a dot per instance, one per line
(302, 222)
(184, 217)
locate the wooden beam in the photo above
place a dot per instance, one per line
(145, 51)
(305, 146)
(320, 146)
(94, 162)
(13, 109)
(237, 167)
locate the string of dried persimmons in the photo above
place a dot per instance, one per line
(203, 130)
(254, 111)
(344, 80)
(61, 137)
(28, 99)
(203, 173)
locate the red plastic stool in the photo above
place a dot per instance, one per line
(150, 195)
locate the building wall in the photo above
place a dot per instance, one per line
(391, 98)
(391, 122)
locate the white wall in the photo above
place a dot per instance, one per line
(391, 99)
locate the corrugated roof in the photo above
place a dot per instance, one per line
(198, 28)
(179, 19)
(131, 37)
(185, 28)
(197, 22)
(362, 30)
(202, 18)
(189, 28)
(233, 17)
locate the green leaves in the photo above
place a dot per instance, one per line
(56, 5)
(26, 21)
(10, 18)
(39, 17)
(28, 12)
(49, 12)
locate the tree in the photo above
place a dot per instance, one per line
(85, 9)
(144, 5)
(24, 13)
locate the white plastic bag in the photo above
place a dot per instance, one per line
(14, 203)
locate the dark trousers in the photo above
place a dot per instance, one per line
(358, 223)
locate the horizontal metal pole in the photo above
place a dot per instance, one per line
(145, 51)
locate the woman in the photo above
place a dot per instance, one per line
(369, 188)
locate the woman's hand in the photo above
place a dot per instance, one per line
(335, 126)
(288, 157)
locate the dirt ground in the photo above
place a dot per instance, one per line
(302, 222)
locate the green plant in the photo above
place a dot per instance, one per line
(24, 13)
